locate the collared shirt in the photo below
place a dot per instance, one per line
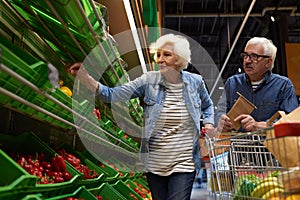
(274, 93)
(151, 86)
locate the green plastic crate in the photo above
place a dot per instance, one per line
(70, 13)
(107, 192)
(126, 191)
(30, 143)
(23, 64)
(88, 183)
(13, 183)
(81, 192)
(81, 33)
(33, 197)
(26, 65)
(50, 106)
(145, 192)
(142, 181)
(111, 175)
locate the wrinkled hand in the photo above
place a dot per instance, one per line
(224, 124)
(247, 122)
(209, 129)
(80, 72)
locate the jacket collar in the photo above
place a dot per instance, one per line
(266, 77)
(161, 78)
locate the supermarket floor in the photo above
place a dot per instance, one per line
(200, 193)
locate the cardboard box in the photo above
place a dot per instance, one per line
(241, 106)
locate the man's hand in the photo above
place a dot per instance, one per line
(249, 124)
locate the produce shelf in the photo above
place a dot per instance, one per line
(126, 191)
(81, 192)
(29, 143)
(88, 183)
(107, 192)
(13, 184)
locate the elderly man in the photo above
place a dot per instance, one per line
(267, 91)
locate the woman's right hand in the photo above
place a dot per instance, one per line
(82, 75)
(74, 68)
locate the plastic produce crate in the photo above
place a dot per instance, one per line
(142, 181)
(139, 189)
(81, 32)
(13, 184)
(23, 64)
(70, 13)
(81, 192)
(33, 197)
(111, 175)
(126, 191)
(107, 192)
(65, 42)
(88, 183)
(30, 143)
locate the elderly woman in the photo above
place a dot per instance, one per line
(174, 101)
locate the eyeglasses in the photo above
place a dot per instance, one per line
(253, 56)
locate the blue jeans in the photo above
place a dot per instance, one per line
(177, 186)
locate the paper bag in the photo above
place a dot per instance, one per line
(284, 149)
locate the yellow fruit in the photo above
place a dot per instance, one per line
(66, 90)
(293, 197)
(61, 82)
(273, 193)
(269, 179)
(264, 187)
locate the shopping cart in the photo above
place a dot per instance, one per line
(244, 166)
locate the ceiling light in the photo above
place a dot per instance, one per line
(272, 18)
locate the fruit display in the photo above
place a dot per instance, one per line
(51, 170)
(76, 162)
(139, 189)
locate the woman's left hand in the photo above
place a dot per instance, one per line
(209, 130)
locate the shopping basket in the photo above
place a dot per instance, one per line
(242, 167)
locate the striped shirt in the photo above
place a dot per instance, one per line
(172, 140)
(255, 84)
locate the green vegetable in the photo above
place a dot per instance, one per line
(245, 185)
(274, 174)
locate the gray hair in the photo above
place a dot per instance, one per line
(269, 48)
(181, 48)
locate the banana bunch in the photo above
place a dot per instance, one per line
(267, 188)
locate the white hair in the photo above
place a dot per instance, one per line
(181, 48)
(269, 48)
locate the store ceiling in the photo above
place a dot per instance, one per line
(217, 24)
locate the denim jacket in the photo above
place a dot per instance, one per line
(150, 86)
(273, 94)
